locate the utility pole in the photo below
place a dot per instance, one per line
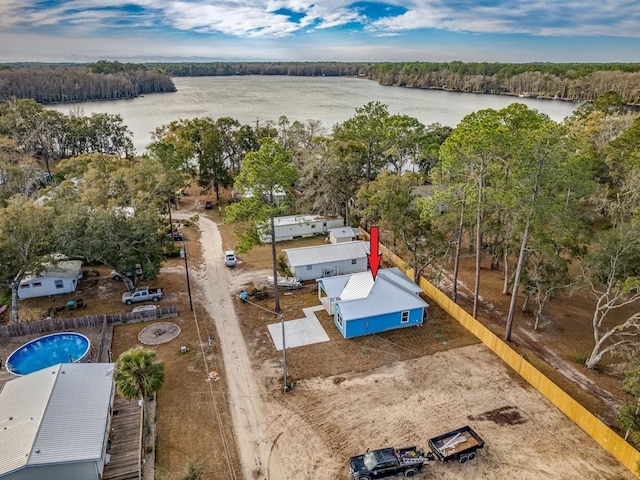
(186, 267)
(170, 221)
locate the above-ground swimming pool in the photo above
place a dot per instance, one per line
(49, 350)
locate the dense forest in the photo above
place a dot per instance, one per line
(114, 80)
(102, 81)
(563, 81)
(302, 69)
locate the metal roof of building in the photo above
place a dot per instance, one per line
(333, 252)
(384, 297)
(64, 419)
(333, 286)
(298, 219)
(358, 286)
(65, 269)
(398, 278)
(360, 297)
(344, 232)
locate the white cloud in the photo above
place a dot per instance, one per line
(333, 29)
(259, 18)
(533, 17)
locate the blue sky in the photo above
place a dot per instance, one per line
(324, 30)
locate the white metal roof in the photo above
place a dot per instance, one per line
(384, 297)
(359, 296)
(395, 276)
(333, 286)
(55, 415)
(298, 219)
(344, 232)
(65, 269)
(358, 286)
(333, 252)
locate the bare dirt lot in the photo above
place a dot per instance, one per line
(399, 388)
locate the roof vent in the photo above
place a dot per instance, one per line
(37, 450)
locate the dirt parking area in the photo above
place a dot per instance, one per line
(327, 419)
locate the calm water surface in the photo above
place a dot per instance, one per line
(330, 100)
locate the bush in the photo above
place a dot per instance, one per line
(172, 251)
(283, 266)
(580, 358)
(195, 471)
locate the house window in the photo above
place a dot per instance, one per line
(354, 261)
(339, 317)
(404, 317)
(59, 284)
(313, 226)
(25, 285)
(37, 284)
(309, 267)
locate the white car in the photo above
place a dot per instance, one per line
(230, 258)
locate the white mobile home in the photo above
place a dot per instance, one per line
(57, 278)
(310, 263)
(299, 226)
(61, 432)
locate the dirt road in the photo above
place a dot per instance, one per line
(213, 279)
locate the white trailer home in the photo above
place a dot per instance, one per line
(311, 263)
(299, 226)
(56, 278)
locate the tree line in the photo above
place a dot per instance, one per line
(565, 81)
(302, 69)
(114, 80)
(511, 188)
(81, 83)
(584, 82)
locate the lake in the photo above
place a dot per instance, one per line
(330, 100)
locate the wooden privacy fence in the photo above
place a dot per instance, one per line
(594, 427)
(55, 324)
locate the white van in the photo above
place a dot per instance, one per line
(230, 258)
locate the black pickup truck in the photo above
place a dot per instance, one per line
(387, 462)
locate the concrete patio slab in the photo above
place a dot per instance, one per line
(299, 332)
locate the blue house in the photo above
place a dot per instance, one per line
(362, 306)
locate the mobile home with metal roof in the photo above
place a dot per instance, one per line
(55, 279)
(54, 423)
(298, 226)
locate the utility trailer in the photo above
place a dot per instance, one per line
(460, 444)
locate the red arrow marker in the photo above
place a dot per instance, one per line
(374, 256)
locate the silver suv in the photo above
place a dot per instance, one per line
(230, 258)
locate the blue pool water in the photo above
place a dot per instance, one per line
(49, 350)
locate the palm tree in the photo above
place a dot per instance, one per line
(137, 374)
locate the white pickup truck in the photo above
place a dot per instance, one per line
(142, 294)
